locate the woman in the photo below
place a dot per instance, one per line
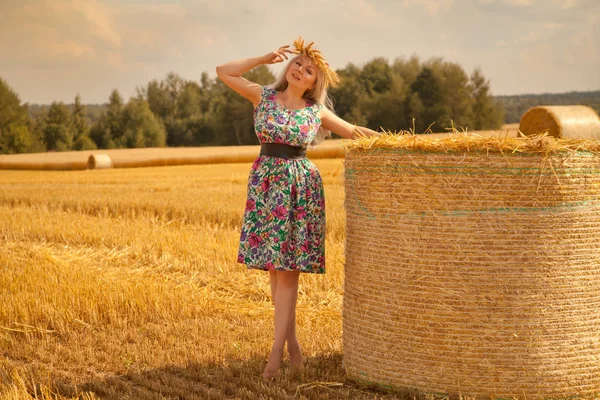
(284, 221)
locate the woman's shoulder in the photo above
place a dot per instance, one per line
(316, 106)
(268, 91)
(267, 94)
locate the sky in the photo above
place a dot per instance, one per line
(52, 50)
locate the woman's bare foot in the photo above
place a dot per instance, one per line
(273, 364)
(295, 353)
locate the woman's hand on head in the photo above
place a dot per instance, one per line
(232, 73)
(278, 55)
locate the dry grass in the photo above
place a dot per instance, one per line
(469, 142)
(123, 284)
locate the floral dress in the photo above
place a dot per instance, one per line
(284, 220)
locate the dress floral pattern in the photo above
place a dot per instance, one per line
(284, 220)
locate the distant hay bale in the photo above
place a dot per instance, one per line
(561, 121)
(472, 265)
(99, 161)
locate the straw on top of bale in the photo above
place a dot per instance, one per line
(468, 142)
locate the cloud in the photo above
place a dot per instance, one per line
(510, 3)
(58, 30)
(99, 20)
(567, 4)
(432, 7)
(553, 26)
(362, 8)
(545, 33)
(158, 32)
(120, 35)
(561, 4)
(519, 3)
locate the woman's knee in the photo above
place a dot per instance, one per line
(273, 277)
(288, 278)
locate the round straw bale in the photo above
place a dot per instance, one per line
(561, 121)
(472, 266)
(99, 161)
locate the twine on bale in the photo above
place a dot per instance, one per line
(561, 121)
(472, 265)
(99, 161)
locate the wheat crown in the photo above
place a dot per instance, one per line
(331, 77)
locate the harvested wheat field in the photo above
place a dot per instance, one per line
(122, 283)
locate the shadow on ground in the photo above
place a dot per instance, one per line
(322, 377)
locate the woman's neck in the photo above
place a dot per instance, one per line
(293, 95)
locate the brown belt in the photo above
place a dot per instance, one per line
(282, 151)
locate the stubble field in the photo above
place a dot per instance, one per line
(123, 283)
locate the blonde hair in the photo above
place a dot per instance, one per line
(318, 94)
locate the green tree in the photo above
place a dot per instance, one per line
(427, 86)
(179, 105)
(79, 121)
(376, 76)
(455, 90)
(140, 127)
(81, 127)
(113, 115)
(407, 69)
(15, 135)
(415, 110)
(487, 114)
(184, 122)
(108, 130)
(348, 98)
(171, 89)
(16, 139)
(387, 110)
(206, 87)
(158, 99)
(37, 132)
(57, 132)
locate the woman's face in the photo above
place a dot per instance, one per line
(302, 73)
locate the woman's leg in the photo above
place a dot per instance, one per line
(292, 341)
(286, 294)
(273, 281)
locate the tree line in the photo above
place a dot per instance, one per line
(406, 94)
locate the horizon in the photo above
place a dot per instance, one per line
(523, 47)
(493, 95)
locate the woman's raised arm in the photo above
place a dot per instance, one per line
(335, 124)
(231, 73)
